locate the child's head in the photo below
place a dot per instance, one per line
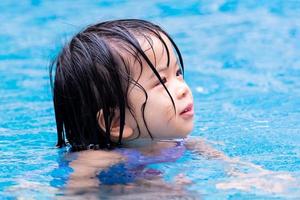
(120, 80)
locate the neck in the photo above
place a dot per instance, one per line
(140, 143)
(148, 143)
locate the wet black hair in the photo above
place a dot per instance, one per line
(91, 73)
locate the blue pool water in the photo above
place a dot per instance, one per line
(242, 62)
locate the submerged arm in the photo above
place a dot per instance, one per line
(255, 177)
(199, 145)
(86, 167)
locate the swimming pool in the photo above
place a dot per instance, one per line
(242, 62)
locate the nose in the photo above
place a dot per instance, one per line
(182, 91)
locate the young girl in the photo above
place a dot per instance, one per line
(119, 86)
(119, 81)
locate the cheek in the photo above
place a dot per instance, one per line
(136, 98)
(159, 110)
(158, 101)
(129, 119)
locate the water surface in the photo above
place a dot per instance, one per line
(242, 62)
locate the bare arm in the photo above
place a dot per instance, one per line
(87, 165)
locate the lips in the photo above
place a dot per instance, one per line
(188, 110)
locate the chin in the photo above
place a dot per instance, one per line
(188, 130)
(184, 133)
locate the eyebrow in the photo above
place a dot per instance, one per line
(163, 69)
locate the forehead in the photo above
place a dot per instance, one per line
(158, 50)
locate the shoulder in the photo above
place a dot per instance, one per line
(88, 163)
(97, 158)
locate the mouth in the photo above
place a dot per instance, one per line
(188, 111)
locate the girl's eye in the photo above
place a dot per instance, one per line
(164, 80)
(179, 72)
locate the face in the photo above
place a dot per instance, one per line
(159, 113)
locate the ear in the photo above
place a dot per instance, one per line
(115, 126)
